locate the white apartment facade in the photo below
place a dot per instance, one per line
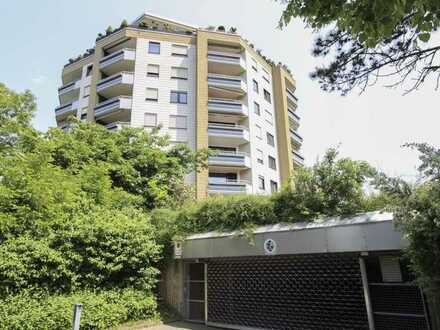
(204, 88)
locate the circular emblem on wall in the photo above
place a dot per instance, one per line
(270, 246)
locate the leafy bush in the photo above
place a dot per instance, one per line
(101, 310)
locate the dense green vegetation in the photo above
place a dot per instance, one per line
(89, 216)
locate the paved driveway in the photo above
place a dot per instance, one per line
(181, 326)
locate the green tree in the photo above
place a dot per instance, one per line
(365, 40)
(331, 187)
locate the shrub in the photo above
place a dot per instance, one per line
(101, 310)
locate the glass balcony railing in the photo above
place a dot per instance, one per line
(232, 83)
(296, 137)
(291, 97)
(227, 106)
(113, 106)
(216, 186)
(297, 158)
(224, 158)
(122, 60)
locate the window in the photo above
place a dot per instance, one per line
(152, 94)
(254, 64)
(257, 108)
(179, 73)
(179, 50)
(270, 139)
(261, 183)
(260, 156)
(177, 122)
(153, 70)
(273, 186)
(86, 91)
(255, 86)
(179, 97)
(272, 163)
(258, 132)
(89, 70)
(150, 120)
(266, 76)
(267, 96)
(154, 47)
(269, 117)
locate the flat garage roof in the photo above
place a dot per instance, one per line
(368, 232)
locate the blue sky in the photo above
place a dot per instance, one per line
(39, 36)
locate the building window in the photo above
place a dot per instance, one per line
(270, 139)
(260, 156)
(257, 108)
(273, 186)
(258, 133)
(154, 47)
(179, 97)
(86, 91)
(261, 183)
(150, 120)
(179, 73)
(267, 96)
(266, 76)
(89, 70)
(179, 50)
(177, 122)
(152, 94)
(255, 86)
(272, 163)
(269, 117)
(153, 70)
(254, 64)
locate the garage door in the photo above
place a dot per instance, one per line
(320, 291)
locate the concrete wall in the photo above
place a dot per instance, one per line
(172, 285)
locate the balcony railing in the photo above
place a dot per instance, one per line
(291, 97)
(293, 115)
(113, 105)
(227, 106)
(225, 63)
(228, 186)
(122, 60)
(236, 130)
(116, 79)
(117, 125)
(66, 109)
(69, 87)
(297, 158)
(229, 159)
(296, 137)
(233, 83)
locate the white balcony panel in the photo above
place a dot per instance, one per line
(226, 63)
(229, 188)
(122, 60)
(69, 92)
(229, 87)
(228, 136)
(65, 110)
(118, 84)
(113, 110)
(227, 107)
(229, 161)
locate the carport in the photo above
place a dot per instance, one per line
(335, 274)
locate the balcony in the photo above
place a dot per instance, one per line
(227, 107)
(69, 92)
(114, 110)
(296, 139)
(226, 87)
(65, 110)
(298, 160)
(229, 187)
(293, 118)
(291, 98)
(122, 60)
(116, 126)
(118, 84)
(227, 135)
(226, 63)
(230, 160)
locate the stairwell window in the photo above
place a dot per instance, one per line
(255, 86)
(272, 163)
(154, 47)
(179, 73)
(179, 97)
(179, 50)
(178, 122)
(152, 94)
(270, 139)
(269, 117)
(150, 120)
(258, 132)
(260, 156)
(267, 96)
(153, 70)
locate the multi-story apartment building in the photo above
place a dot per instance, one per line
(206, 88)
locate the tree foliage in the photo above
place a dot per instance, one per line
(366, 40)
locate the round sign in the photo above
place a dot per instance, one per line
(270, 246)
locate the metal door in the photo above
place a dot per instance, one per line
(195, 292)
